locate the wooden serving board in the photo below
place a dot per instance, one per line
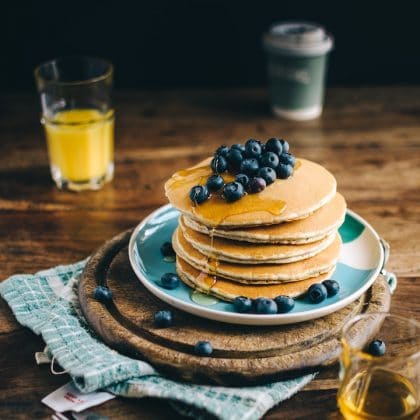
(242, 354)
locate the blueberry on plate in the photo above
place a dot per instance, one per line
(199, 194)
(284, 304)
(332, 287)
(222, 151)
(233, 191)
(234, 159)
(249, 167)
(255, 303)
(265, 306)
(274, 145)
(317, 293)
(163, 319)
(169, 281)
(215, 183)
(285, 146)
(376, 348)
(242, 304)
(287, 159)
(242, 179)
(253, 148)
(218, 164)
(102, 294)
(203, 348)
(284, 171)
(269, 159)
(167, 250)
(238, 146)
(268, 174)
(256, 185)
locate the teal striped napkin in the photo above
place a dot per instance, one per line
(47, 304)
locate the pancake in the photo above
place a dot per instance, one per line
(309, 188)
(321, 223)
(259, 274)
(228, 290)
(248, 253)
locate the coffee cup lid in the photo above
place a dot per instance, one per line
(297, 38)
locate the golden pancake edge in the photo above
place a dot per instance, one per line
(309, 188)
(316, 226)
(249, 253)
(228, 290)
(262, 273)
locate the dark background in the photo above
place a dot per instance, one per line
(205, 43)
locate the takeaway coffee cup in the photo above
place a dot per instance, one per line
(297, 58)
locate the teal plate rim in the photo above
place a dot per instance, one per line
(153, 227)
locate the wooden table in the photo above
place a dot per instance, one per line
(369, 138)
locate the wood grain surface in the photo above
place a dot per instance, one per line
(368, 137)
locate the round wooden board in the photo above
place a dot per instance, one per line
(242, 354)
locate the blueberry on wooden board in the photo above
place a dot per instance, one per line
(102, 294)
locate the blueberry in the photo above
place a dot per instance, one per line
(376, 348)
(242, 179)
(269, 159)
(287, 159)
(255, 303)
(256, 185)
(163, 319)
(284, 304)
(268, 174)
(233, 191)
(239, 147)
(218, 164)
(317, 293)
(222, 151)
(266, 306)
(203, 348)
(102, 294)
(284, 171)
(215, 183)
(242, 304)
(169, 281)
(285, 146)
(332, 287)
(199, 194)
(274, 145)
(167, 250)
(234, 158)
(250, 167)
(252, 148)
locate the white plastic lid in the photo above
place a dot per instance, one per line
(297, 38)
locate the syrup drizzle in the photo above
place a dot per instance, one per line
(216, 210)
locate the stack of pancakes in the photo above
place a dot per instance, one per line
(276, 242)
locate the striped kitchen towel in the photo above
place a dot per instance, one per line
(47, 304)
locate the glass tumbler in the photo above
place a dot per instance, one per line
(380, 386)
(78, 119)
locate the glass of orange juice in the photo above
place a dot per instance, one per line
(78, 119)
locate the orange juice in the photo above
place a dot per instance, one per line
(81, 145)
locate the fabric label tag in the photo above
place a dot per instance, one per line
(69, 398)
